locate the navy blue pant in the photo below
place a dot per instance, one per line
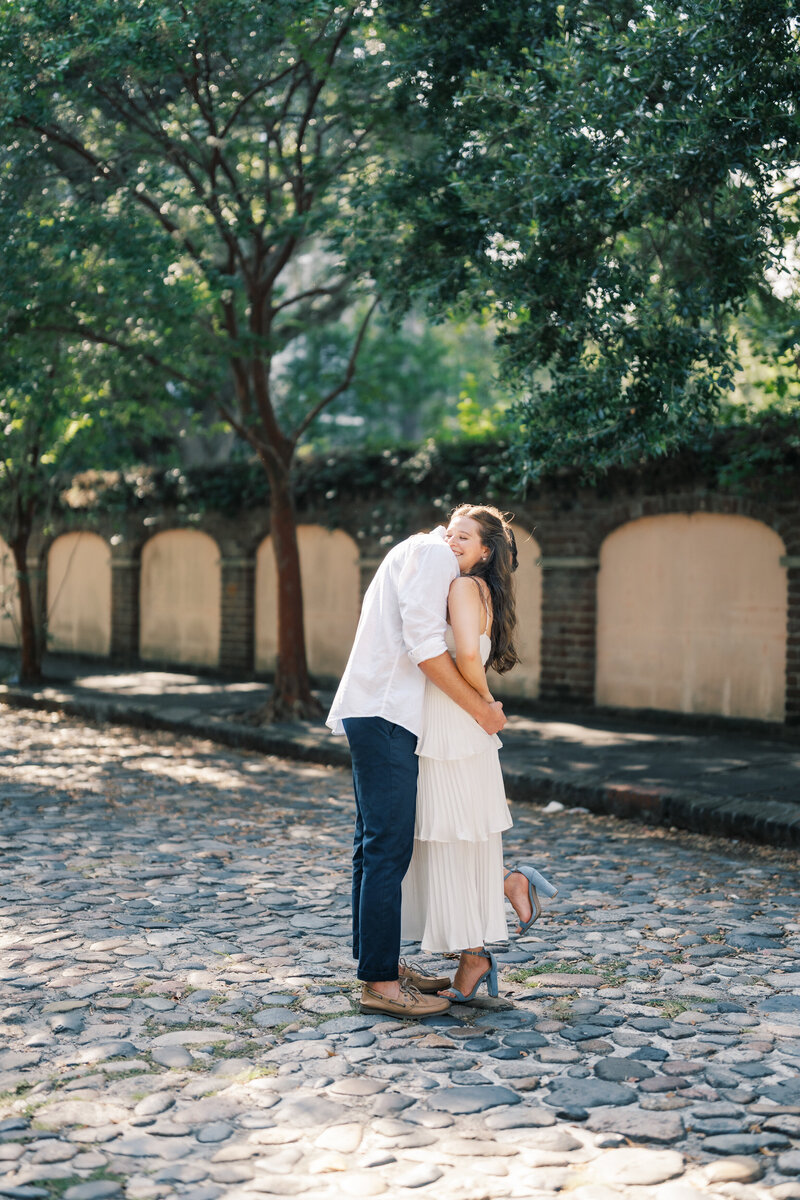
(385, 784)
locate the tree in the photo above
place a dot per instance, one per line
(39, 416)
(33, 428)
(63, 402)
(51, 418)
(233, 134)
(609, 185)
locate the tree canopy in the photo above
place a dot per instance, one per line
(65, 400)
(205, 188)
(223, 138)
(610, 182)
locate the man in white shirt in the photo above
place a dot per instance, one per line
(398, 644)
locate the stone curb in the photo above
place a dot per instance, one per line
(282, 742)
(767, 821)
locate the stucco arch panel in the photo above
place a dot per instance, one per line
(9, 598)
(79, 594)
(180, 599)
(329, 569)
(525, 677)
(692, 616)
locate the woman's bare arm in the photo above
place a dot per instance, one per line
(444, 674)
(467, 616)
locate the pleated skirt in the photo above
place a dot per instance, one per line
(453, 890)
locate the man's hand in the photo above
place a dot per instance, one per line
(444, 673)
(492, 719)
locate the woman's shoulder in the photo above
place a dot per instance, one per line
(464, 585)
(470, 584)
(469, 591)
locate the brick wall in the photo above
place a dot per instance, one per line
(568, 524)
(237, 640)
(793, 646)
(124, 608)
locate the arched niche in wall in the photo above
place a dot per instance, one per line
(79, 594)
(331, 599)
(180, 599)
(9, 598)
(523, 680)
(691, 616)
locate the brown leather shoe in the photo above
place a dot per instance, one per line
(410, 1005)
(421, 979)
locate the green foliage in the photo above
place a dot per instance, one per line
(219, 141)
(607, 188)
(414, 381)
(769, 332)
(65, 400)
(759, 454)
(217, 144)
(202, 190)
(63, 403)
(444, 472)
(759, 457)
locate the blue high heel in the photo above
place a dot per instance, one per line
(536, 883)
(490, 975)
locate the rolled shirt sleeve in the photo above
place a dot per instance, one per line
(422, 591)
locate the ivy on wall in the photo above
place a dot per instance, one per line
(760, 458)
(453, 469)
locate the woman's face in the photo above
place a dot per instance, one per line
(463, 536)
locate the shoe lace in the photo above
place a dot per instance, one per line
(413, 993)
(416, 969)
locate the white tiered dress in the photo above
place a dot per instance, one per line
(453, 890)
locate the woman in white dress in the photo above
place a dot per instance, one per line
(454, 889)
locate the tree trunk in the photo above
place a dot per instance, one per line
(292, 697)
(30, 662)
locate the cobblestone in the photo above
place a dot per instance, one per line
(178, 1012)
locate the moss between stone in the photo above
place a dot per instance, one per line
(57, 1187)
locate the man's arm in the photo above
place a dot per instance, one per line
(422, 589)
(444, 673)
(422, 597)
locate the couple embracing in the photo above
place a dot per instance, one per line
(430, 803)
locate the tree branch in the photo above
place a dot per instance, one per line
(264, 451)
(333, 290)
(237, 366)
(263, 86)
(109, 173)
(149, 124)
(190, 165)
(279, 260)
(792, 191)
(303, 198)
(345, 382)
(106, 339)
(236, 425)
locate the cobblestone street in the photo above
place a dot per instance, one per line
(178, 1012)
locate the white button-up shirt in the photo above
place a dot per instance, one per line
(403, 622)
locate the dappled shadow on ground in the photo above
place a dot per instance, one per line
(177, 1001)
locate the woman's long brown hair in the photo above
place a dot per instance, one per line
(497, 536)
